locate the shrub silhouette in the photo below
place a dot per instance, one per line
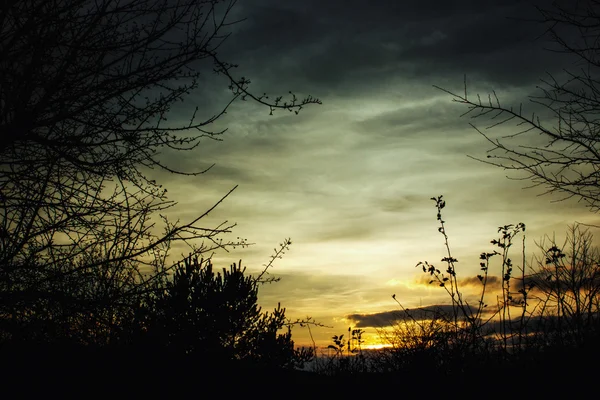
(215, 316)
(194, 323)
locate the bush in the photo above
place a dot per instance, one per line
(215, 316)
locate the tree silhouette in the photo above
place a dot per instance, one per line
(212, 316)
(86, 94)
(558, 148)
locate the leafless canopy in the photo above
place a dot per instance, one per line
(86, 87)
(558, 147)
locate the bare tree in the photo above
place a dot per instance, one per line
(559, 147)
(86, 88)
(567, 282)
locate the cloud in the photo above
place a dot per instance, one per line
(341, 48)
(492, 282)
(390, 318)
(380, 319)
(469, 282)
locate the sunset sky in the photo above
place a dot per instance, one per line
(350, 181)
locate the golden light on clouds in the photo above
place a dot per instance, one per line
(377, 346)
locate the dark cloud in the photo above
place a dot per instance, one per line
(275, 26)
(341, 47)
(492, 282)
(579, 282)
(538, 324)
(380, 319)
(390, 318)
(542, 326)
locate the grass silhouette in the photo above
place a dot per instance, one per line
(537, 334)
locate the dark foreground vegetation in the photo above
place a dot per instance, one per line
(197, 325)
(200, 331)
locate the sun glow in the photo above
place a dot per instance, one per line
(377, 346)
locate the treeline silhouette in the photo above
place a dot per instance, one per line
(93, 324)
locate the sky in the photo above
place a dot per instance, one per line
(350, 181)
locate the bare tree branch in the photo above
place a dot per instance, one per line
(559, 147)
